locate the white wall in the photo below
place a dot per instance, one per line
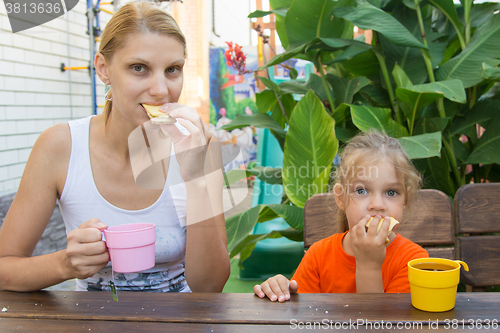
(34, 93)
(231, 22)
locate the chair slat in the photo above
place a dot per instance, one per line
(482, 255)
(477, 208)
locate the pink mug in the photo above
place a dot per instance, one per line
(131, 247)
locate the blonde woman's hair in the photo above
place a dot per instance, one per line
(136, 17)
(367, 149)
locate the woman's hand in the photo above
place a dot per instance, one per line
(368, 245)
(276, 288)
(86, 253)
(192, 151)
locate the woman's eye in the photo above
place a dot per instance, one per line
(139, 68)
(172, 70)
(360, 191)
(392, 193)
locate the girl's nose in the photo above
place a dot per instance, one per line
(377, 203)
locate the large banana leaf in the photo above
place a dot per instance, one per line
(239, 226)
(490, 72)
(345, 89)
(487, 148)
(481, 114)
(265, 100)
(368, 117)
(368, 17)
(307, 19)
(280, 19)
(310, 148)
(484, 47)
(260, 120)
(422, 146)
(266, 174)
(439, 175)
(448, 8)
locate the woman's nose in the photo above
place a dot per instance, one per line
(159, 86)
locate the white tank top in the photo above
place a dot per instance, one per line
(81, 201)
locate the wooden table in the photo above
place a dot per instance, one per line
(67, 311)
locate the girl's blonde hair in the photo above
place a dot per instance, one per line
(136, 17)
(367, 149)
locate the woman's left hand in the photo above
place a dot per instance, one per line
(192, 151)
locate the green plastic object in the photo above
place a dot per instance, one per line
(270, 256)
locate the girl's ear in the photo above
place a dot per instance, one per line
(338, 191)
(101, 67)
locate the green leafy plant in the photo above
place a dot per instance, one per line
(429, 78)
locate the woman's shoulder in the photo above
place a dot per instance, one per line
(55, 140)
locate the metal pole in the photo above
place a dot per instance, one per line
(90, 26)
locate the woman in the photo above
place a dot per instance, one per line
(86, 166)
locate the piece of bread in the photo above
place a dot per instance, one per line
(394, 222)
(158, 117)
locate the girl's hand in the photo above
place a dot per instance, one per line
(86, 253)
(191, 150)
(369, 246)
(276, 288)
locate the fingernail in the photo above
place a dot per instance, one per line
(100, 225)
(261, 295)
(164, 107)
(273, 298)
(281, 299)
(173, 113)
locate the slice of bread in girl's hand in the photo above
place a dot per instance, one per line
(394, 222)
(158, 117)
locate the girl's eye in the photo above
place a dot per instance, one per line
(139, 68)
(392, 193)
(360, 191)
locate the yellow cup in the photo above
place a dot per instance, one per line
(433, 283)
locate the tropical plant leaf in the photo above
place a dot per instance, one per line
(439, 168)
(484, 47)
(490, 72)
(239, 226)
(307, 19)
(265, 174)
(280, 18)
(422, 146)
(310, 148)
(364, 64)
(246, 247)
(344, 89)
(350, 52)
(487, 148)
(480, 114)
(402, 80)
(260, 120)
(447, 7)
(367, 117)
(430, 125)
(270, 84)
(265, 100)
(282, 57)
(341, 113)
(344, 134)
(368, 17)
(259, 13)
(294, 87)
(460, 149)
(450, 89)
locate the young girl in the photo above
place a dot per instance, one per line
(86, 167)
(375, 179)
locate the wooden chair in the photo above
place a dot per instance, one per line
(477, 214)
(431, 223)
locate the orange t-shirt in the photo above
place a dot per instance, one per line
(326, 268)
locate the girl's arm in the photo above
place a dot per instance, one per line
(369, 251)
(33, 205)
